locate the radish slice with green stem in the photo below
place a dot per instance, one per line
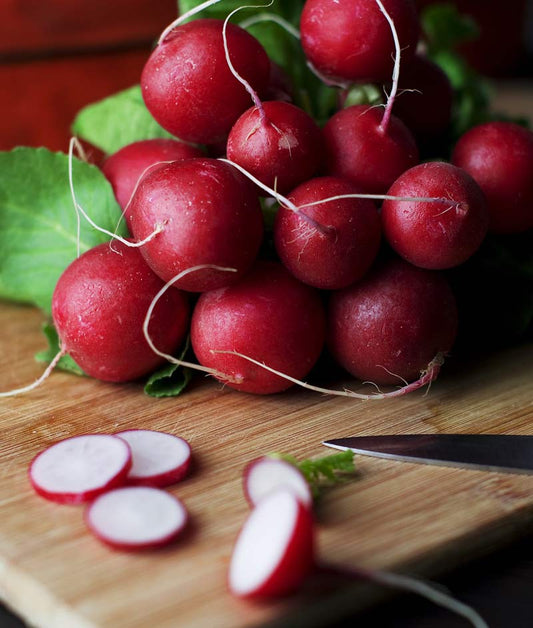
(79, 468)
(158, 458)
(273, 553)
(266, 474)
(136, 517)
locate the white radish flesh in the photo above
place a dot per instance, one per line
(274, 550)
(265, 475)
(136, 517)
(78, 469)
(158, 458)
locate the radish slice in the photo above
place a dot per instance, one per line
(79, 468)
(274, 549)
(264, 475)
(159, 459)
(136, 517)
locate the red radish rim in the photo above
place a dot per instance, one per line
(173, 474)
(80, 496)
(145, 544)
(305, 496)
(283, 569)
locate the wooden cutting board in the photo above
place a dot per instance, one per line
(405, 517)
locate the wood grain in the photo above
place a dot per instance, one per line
(407, 517)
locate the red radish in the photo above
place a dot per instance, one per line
(158, 458)
(79, 468)
(351, 40)
(273, 553)
(278, 143)
(391, 325)
(499, 156)
(265, 475)
(360, 148)
(99, 305)
(425, 100)
(124, 168)
(269, 316)
(136, 517)
(208, 212)
(435, 235)
(339, 254)
(188, 86)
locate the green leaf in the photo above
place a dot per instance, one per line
(325, 471)
(445, 27)
(117, 121)
(66, 363)
(38, 223)
(170, 380)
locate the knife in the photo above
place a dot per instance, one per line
(506, 453)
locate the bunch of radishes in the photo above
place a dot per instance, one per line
(268, 238)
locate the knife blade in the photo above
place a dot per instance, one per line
(506, 453)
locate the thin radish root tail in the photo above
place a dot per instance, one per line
(168, 357)
(427, 376)
(430, 592)
(183, 17)
(282, 200)
(391, 97)
(253, 94)
(74, 144)
(47, 372)
(271, 17)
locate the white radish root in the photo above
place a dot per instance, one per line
(426, 377)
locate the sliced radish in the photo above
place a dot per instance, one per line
(159, 459)
(79, 468)
(274, 550)
(136, 517)
(264, 475)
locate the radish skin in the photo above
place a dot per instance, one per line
(79, 468)
(136, 518)
(158, 458)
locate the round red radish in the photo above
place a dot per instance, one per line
(352, 40)
(274, 551)
(393, 323)
(187, 84)
(499, 156)
(158, 458)
(425, 99)
(269, 316)
(281, 146)
(99, 306)
(79, 468)
(430, 234)
(342, 252)
(124, 168)
(265, 475)
(208, 213)
(361, 150)
(136, 517)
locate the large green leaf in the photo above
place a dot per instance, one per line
(38, 223)
(117, 121)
